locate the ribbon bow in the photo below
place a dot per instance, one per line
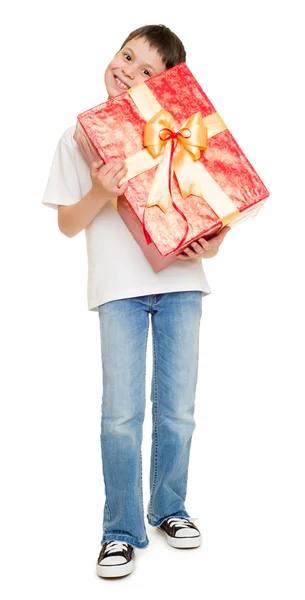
(185, 147)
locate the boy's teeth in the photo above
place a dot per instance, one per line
(122, 85)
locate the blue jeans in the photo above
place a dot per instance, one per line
(124, 324)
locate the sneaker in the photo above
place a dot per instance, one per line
(115, 559)
(181, 532)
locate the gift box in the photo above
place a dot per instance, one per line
(187, 175)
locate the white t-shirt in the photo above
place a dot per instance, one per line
(117, 267)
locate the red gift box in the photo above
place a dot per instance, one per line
(187, 175)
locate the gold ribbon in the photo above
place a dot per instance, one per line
(187, 142)
(191, 139)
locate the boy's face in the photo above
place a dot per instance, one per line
(135, 63)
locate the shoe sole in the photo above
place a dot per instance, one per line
(114, 570)
(190, 542)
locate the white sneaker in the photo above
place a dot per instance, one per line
(116, 559)
(181, 532)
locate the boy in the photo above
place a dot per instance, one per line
(125, 290)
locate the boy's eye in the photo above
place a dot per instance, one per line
(127, 56)
(146, 72)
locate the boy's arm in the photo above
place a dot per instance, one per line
(74, 218)
(105, 180)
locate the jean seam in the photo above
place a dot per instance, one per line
(155, 411)
(123, 534)
(104, 478)
(106, 494)
(145, 403)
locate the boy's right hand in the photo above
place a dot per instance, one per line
(105, 178)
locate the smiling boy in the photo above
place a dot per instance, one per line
(128, 295)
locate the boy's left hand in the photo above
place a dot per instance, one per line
(204, 248)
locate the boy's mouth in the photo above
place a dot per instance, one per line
(120, 83)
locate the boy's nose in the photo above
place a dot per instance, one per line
(128, 72)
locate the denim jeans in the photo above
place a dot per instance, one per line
(175, 319)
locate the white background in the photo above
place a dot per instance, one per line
(246, 477)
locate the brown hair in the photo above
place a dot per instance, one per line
(165, 41)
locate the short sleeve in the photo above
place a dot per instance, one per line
(63, 184)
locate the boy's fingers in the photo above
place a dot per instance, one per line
(122, 189)
(118, 175)
(96, 164)
(207, 244)
(100, 167)
(114, 167)
(203, 243)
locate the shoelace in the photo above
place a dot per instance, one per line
(182, 522)
(116, 546)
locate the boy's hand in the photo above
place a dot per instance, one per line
(105, 178)
(204, 248)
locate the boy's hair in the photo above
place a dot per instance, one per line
(165, 41)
